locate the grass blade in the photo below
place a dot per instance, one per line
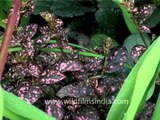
(156, 113)
(1, 103)
(144, 79)
(128, 17)
(22, 108)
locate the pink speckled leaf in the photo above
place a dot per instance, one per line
(113, 83)
(34, 70)
(16, 72)
(92, 64)
(30, 30)
(28, 92)
(51, 77)
(116, 59)
(47, 59)
(29, 47)
(42, 41)
(86, 113)
(21, 35)
(28, 9)
(44, 30)
(80, 75)
(100, 89)
(55, 108)
(76, 90)
(137, 52)
(70, 65)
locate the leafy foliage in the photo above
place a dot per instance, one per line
(4, 11)
(64, 8)
(78, 57)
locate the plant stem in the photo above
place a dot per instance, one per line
(69, 51)
(73, 45)
(8, 35)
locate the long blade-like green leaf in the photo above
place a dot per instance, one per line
(1, 103)
(156, 113)
(128, 17)
(22, 108)
(143, 79)
(12, 116)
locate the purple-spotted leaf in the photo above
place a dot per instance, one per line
(112, 83)
(73, 106)
(67, 116)
(22, 34)
(28, 92)
(141, 14)
(9, 86)
(30, 30)
(16, 39)
(93, 64)
(42, 41)
(100, 89)
(28, 8)
(59, 22)
(70, 65)
(80, 75)
(144, 28)
(29, 47)
(48, 59)
(116, 59)
(34, 70)
(55, 108)
(86, 113)
(76, 90)
(147, 112)
(44, 30)
(137, 52)
(17, 72)
(51, 77)
(18, 57)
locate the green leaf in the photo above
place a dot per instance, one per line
(98, 39)
(1, 103)
(89, 54)
(24, 21)
(106, 4)
(21, 108)
(156, 113)
(11, 115)
(4, 11)
(107, 17)
(133, 28)
(63, 8)
(135, 39)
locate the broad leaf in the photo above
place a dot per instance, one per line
(75, 90)
(86, 113)
(63, 8)
(50, 77)
(137, 52)
(116, 59)
(55, 108)
(70, 65)
(28, 92)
